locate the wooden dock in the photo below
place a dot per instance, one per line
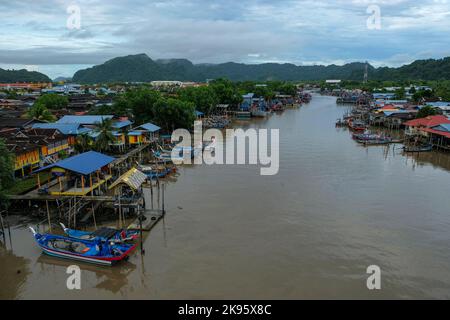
(36, 196)
(151, 218)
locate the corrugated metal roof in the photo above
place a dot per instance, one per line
(135, 133)
(84, 163)
(84, 119)
(133, 178)
(430, 121)
(121, 124)
(443, 127)
(150, 127)
(64, 128)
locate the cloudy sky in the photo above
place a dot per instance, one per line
(43, 35)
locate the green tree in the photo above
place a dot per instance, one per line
(52, 101)
(203, 98)
(105, 136)
(6, 171)
(421, 94)
(426, 111)
(174, 114)
(40, 112)
(140, 102)
(400, 93)
(84, 143)
(226, 92)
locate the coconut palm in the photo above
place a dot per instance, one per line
(105, 137)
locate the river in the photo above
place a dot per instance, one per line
(310, 231)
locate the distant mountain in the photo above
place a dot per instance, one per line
(23, 75)
(62, 79)
(140, 68)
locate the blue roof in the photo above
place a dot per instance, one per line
(121, 124)
(84, 163)
(64, 128)
(439, 104)
(443, 127)
(83, 119)
(135, 133)
(199, 113)
(389, 113)
(150, 127)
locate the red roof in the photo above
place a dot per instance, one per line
(438, 132)
(427, 122)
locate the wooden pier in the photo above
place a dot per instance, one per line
(148, 219)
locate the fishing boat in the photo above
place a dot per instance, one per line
(105, 254)
(357, 125)
(341, 123)
(210, 146)
(102, 235)
(259, 113)
(156, 171)
(424, 148)
(366, 136)
(374, 142)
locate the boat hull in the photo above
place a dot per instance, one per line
(94, 252)
(61, 255)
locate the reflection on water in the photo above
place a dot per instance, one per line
(309, 232)
(110, 279)
(13, 274)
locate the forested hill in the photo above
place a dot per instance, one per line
(141, 68)
(10, 76)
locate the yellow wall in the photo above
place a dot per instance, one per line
(135, 139)
(26, 159)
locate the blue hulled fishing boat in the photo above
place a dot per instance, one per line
(96, 252)
(102, 234)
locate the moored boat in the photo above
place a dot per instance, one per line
(105, 254)
(102, 234)
(375, 142)
(424, 148)
(357, 125)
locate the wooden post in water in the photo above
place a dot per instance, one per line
(151, 192)
(120, 208)
(48, 216)
(3, 228)
(163, 196)
(141, 216)
(93, 215)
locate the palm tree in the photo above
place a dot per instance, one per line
(105, 136)
(40, 112)
(84, 143)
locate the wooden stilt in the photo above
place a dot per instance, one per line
(48, 216)
(93, 216)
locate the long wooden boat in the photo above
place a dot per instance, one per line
(82, 250)
(412, 149)
(357, 126)
(102, 235)
(366, 136)
(375, 142)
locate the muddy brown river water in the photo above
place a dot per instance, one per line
(311, 231)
